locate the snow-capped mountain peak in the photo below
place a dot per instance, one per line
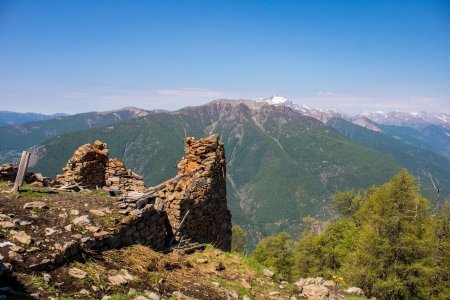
(274, 100)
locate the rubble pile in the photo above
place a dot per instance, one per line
(8, 172)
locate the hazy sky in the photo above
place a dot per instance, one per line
(75, 56)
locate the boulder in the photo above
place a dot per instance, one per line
(354, 290)
(315, 292)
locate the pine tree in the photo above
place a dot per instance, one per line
(440, 273)
(238, 239)
(391, 258)
(276, 252)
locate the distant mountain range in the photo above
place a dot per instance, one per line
(9, 117)
(284, 160)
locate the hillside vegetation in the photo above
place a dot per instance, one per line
(422, 163)
(386, 241)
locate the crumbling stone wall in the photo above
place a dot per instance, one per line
(87, 166)
(199, 188)
(90, 167)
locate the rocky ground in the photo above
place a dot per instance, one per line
(36, 222)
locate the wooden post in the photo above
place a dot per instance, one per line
(22, 170)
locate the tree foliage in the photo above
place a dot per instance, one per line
(386, 241)
(276, 252)
(238, 239)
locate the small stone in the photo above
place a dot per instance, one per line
(49, 231)
(106, 297)
(82, 220)
(246, 284)
(68, 227)
(14, 256)
(153, 296)
(4, 217)
(84, 292)
(117, 280)
(47, 277)
(245, 297)
(92, 228)
(77, 273)
(180, 296)
(97, 212)
(354, 290)
(22, 237)
(140, 298)
(126, 275)
(220, 267)
(268, 273)
(6, 224)
(36, 295)
(35, 204)
(24, 223)
(16, 248)
(202, 260)
(74, 212)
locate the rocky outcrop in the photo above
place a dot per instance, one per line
(90, 167)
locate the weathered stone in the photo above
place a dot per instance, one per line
(268, 273)
(35, 204)
(82, 220)
(354, 290)
(117, 280)
(6, 224)
(97, 212)
(315, 292)
(49, 231)
(77, 273)
(22, 237)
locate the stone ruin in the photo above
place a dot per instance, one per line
(90, 167)
(199, 187)
(191, 207)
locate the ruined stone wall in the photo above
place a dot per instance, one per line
(90, 167)
(199, 188)
(145, 226)
(87, 166)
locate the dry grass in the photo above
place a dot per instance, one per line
(138, 258)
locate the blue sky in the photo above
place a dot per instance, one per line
(75, 56)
